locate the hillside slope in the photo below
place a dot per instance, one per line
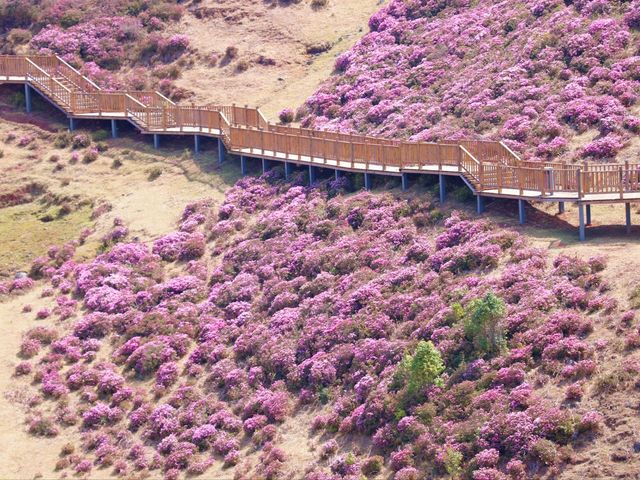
(555, 79)
(269, 54)
(343, 334)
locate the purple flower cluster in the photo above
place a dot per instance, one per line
(316, 299)
(429, 71)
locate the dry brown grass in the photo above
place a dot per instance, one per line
(272, 65)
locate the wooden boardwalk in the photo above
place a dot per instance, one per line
(490, 169)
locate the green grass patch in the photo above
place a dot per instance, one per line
(26, 232)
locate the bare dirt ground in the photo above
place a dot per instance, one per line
(274, 41)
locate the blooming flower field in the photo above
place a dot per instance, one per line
(426, 335)
(537, 74)
(108, 41)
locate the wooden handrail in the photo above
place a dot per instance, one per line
(491, 167)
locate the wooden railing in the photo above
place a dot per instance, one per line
(490, 167)
(48, 85)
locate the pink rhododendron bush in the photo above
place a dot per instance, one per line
(105, 40)
(533, 73)
(428, 337)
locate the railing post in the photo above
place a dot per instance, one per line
(627, 176)
(621, 181)
(261, 140)
(585, 178)
(353, 154)
(481, 175)
(579, 182)
(520, 180)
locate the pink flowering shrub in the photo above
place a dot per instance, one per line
(426, 338)
(102, 38)
(428, 71)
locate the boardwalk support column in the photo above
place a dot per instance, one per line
(367, 181)
(221, 151)
(313, 174)
(156, 141)
(288, 170)
(522, 214)
(560, 207)
(265, 166)
(442, 182)
(479, 204)
(582, 234)
(588, 208)
(196, 143)
(72, 124)
(627, 214)
(27, 98)
(405, 181)
(243, 165)
(114, 128)
(338, 173)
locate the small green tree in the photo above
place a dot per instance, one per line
(422, 368)
(453, 463)
(482, 324)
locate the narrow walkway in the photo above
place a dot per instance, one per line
(490, 169)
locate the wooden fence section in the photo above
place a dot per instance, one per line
(491, 168)
(247, 116)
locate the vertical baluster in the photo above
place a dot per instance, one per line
(353, 153)
(621, 181)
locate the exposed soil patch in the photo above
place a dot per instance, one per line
(283, 52)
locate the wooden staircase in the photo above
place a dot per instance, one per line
(489, 168)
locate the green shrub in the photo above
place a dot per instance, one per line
(90, 156)
(634, 298)
(372, 466)
(421, 369)
(62, 139)
(80, 140)
(426, 413)
(70, 18)
(100, 135)
(19, 36)
(482, 324)
(17, 99)
(154, 173)
(453, 462)
(462, 194)
(546, 451)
